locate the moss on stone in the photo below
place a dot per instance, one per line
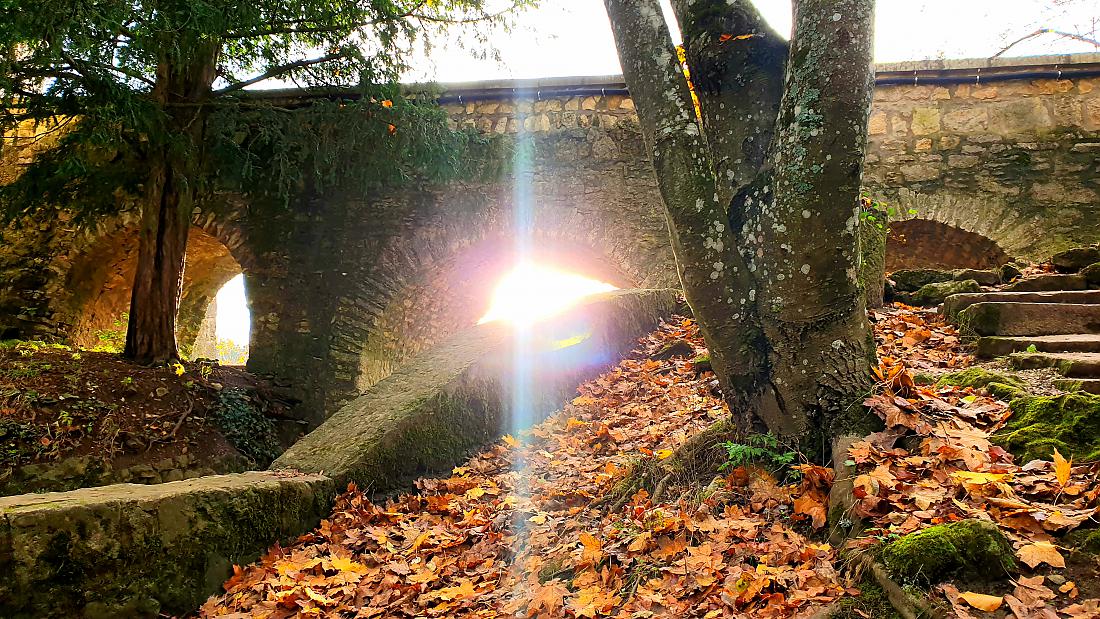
(971, 549)
(911, 280)
(1069, 423)
(999, 385)
(934, 293)
(1091, 273)
(872, 601)
(1084, 540)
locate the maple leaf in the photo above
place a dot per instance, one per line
(1062, 468)
(592, 549)
(549, 599)
(988, 603)
(812, 507)
(1036, 553)
(464, 590)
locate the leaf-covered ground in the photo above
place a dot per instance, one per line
(525, 530)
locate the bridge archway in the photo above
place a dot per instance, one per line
(922, 243)
(99, 280)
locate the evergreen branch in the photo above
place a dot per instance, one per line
(280, 70)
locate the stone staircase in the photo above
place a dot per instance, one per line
(1044, 321)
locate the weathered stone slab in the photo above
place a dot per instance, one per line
(1030, 318)
(134, 551)
(956, 303)
(1073, 260)
(933, 294)
(1083, 385)
(998, 345)
(1069, 364)
(1048, 283)
(436, 408)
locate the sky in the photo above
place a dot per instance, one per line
(572, 37)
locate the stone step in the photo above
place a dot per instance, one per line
(1068, 364)
(1000, 345)
(956, 303)
(1030, 319)
(1081, 385)
(1048, 283)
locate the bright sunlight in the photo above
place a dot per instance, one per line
(531, 292)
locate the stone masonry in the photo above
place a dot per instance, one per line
(343, 288)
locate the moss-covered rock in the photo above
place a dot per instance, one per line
(985, 278)
(999, 385)
(1073, 260)
(1091, 273)
(1069, 423)
(970, 549)
(911, 280)
(934, 293)
(1083, 540)
(1009, 272)
(872, 601)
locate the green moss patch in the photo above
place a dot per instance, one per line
(872, 601)
(1000, 385)
(969, 549)
(1084, 540)
(1069, 423)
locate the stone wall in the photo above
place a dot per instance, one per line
(343, 288)
(146, 551)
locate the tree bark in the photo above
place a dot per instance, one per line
(712, 273)
(765, 229)
(168, 203)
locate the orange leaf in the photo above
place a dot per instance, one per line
(988, 603)
(1041, 552)
(1062, 468)
(593, 549)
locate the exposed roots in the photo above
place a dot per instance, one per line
(692, 464)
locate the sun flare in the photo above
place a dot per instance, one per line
(531, 292)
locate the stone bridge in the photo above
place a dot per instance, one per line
(980, 160)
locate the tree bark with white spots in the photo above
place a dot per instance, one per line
(761, 190)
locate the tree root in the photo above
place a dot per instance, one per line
(694, 462)
(908, 605)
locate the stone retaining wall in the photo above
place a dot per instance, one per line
(87, 471)
(136, 551)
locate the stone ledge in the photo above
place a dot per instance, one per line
(456, 397)
(134, 551)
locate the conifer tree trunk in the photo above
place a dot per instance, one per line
(168, 203)
(761, 193)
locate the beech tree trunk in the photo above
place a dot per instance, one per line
(761, 192)
(169, 201)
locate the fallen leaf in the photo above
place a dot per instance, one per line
(981, 601)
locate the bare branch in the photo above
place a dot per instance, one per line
(1042, 31)
(280, 70)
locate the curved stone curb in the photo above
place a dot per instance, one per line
(442, 404)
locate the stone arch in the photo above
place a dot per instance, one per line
(96, 276)
(1019, 233)
(923, 243)
(417, 289)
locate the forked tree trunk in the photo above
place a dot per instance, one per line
(761, 194)
(168, 203)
